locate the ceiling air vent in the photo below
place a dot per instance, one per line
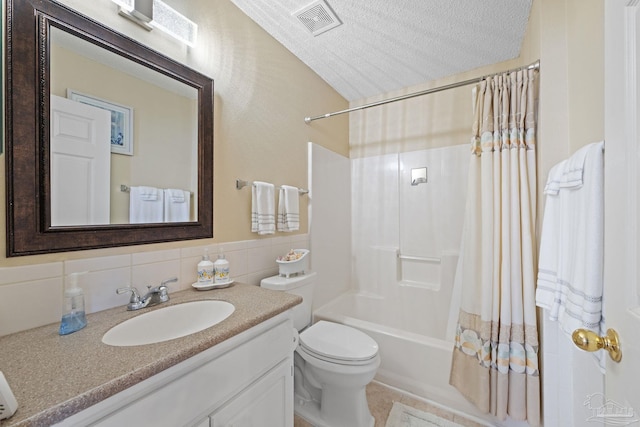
(317, 17)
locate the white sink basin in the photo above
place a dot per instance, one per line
(167, 323)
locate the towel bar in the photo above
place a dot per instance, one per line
(240, 184)
(126, 189)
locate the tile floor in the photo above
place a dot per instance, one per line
(381, 398)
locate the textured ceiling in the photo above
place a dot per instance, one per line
(384, 45)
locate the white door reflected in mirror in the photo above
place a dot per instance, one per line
(80, 163)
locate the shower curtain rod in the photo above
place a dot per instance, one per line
(307, 120)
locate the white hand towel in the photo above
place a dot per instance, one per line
(176, 195)
(146, 205)
(147, 193)
(177, 205)
(552, 187)
(570, 270)
(263, 218)
(568, 173)
(288, 209)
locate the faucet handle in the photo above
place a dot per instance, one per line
(171, 280)
(162, 288)
(134, 302)
(135, 295)
(160, 293)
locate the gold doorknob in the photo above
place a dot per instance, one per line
(590, 341)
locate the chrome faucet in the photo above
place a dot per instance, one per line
(155, 295)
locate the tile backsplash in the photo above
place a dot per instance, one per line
(31, 296)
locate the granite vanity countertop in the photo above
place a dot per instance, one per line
(54, 377)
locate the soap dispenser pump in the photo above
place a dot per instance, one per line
(205, 269)
(73, 314)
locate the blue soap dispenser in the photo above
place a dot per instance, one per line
(73, 315)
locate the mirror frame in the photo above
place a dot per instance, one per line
(29, 228)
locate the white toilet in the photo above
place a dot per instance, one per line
(333, 363)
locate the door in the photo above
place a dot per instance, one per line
(622, 212)
(80, 163)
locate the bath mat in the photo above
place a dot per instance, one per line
(406, 416)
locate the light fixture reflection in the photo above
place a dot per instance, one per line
(151, 14)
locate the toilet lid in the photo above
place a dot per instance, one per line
(338, 342)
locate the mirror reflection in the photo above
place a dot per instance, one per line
(124, 139)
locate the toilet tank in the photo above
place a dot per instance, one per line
(302, 285)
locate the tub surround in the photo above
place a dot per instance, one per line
(54, 377)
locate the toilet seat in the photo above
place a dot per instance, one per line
(336, 343)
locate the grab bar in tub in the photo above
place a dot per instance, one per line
(419, 258)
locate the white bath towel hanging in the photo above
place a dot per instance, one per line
(263, 218)
(570, 270)
(177, 205)
(146, 205)
(288, 209)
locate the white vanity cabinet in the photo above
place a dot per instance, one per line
(265, 403)
(246, 380)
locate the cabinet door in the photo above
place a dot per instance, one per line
(267, 402)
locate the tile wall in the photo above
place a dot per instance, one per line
(31, 296)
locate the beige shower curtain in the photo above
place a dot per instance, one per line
(495, 358)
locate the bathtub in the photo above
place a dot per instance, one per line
(411, 362)
(415, 363)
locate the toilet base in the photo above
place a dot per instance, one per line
(310, 412)
(331, 394)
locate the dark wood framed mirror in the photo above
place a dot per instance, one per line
(29, 28)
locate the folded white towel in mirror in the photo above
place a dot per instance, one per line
(146, 193)
(263, 218)
(288, 209)
(146, 204)
(177, 205)
(175, 195)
